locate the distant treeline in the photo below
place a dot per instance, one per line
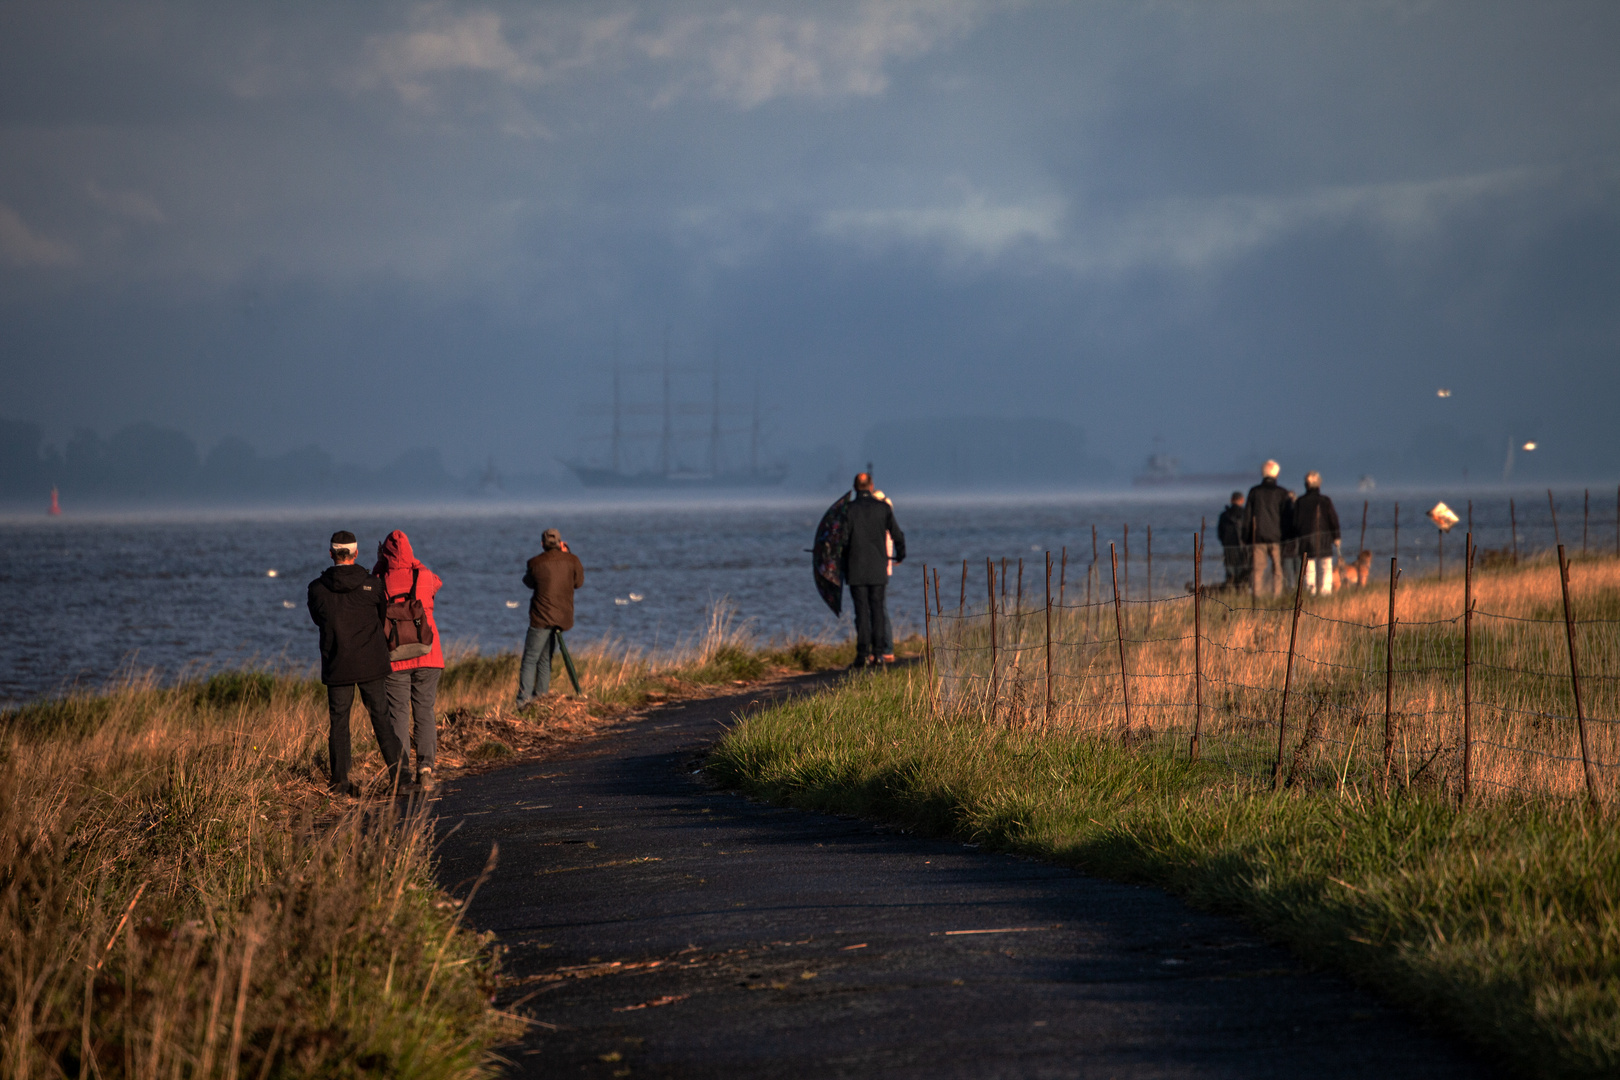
(145, 461)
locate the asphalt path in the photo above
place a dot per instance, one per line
(658, 927)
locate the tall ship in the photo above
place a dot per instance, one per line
(664, 457)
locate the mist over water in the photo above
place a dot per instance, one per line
(94, 599)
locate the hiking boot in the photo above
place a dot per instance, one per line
(345, 787)
(424, 780)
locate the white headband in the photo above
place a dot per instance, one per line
(352, 549)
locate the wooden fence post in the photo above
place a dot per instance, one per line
(1047, 725)
(1119, 626)
(990, 582)
(1396, 546)
(1063, 574)
(1288, 679)
(928, 636)
(1575, 684)
(1150, 569)
(1553, 508)
(1198, 643)
(1389, 676)
(1018, 604)
(1468, 663)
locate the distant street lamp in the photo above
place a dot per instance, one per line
(1531, 445)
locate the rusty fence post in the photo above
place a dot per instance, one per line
(1018, 604)
(1552, 508)
(1468, 664)
(1119, 627)
(1389, 676)
(1288, 679)
(1575, 684)
(1198, 643)
(1047, 725)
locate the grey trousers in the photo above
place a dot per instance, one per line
(412, 693)
(1267, 579)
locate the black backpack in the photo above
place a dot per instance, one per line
(406, 624)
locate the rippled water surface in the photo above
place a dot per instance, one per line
(89, 599)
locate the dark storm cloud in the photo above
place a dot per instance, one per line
(1252, 228)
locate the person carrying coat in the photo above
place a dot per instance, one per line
(866, 570)
(1316, 524)
(553, 574)
(1229, 530)
(1263, 528)
(348, 605)
(413, 684)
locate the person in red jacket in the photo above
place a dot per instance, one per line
(413, 685)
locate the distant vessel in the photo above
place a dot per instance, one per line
(1165, 471)
(668, 471)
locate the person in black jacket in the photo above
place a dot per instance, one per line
(1229, 530)
(866, 570)
(1316, 524)
(348, 606)
(1266, 510)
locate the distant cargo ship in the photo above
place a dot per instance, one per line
(1165, 471)
(668, 471)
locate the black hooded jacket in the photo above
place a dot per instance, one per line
(1263, 517)
(1230, 527)
(1316, 524)
(866, 559)
(348, 604)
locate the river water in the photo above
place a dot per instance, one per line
(91, 599)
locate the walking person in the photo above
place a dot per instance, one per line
(348, 606)
(413, 684)
(553, 574)
(1234, 554)
(1317, 525)
(866, 570)
(1266, 508)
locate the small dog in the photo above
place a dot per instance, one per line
(1356, 573)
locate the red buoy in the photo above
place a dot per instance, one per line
(56, 507)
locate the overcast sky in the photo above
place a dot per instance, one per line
(1251, 228)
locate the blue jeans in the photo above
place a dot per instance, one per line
(534, 671)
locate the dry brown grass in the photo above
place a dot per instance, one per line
(181, 897)
(1524, 737)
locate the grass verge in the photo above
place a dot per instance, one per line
(1499, 922)
(179, 895)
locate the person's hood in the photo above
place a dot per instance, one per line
(1268, 481)
(345, 578)
(395, 553)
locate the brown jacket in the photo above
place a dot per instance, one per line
(553, 575)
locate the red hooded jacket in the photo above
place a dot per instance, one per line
(395, 561)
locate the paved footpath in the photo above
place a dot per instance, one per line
(666, 929)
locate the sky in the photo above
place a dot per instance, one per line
(1223, 230)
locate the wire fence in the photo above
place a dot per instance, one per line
(1492, 680)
